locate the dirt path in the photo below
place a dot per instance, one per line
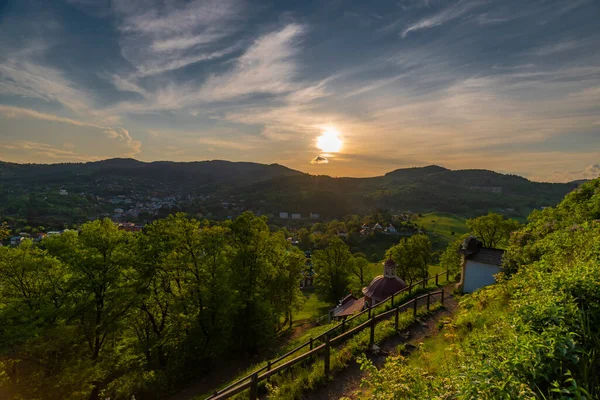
(347, 382)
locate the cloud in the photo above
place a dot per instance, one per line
(593, 170)
(446, 15)
(22, 77)
(319, 160)
(119, 134)
(41, 151)
(266, 67)
(158, 38)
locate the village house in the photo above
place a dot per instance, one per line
(296, 216)
(479, 265)
(391, 230)
(314, 216)
(283, 215)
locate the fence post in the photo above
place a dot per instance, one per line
(254, 386)
(442, 300)
(415, 307)
(344, 325)
(269, 365)
(397, 313)
(393, 299)
(410, 289)
(311, 345)
(447, 275)
(425, 282)
(427, 301)
(369, 311)
(372, 337)
(326, 357)
(436, 279)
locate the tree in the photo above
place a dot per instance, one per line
(360, 268)
(100, 285)
(306, 239)
(361, 274)
(451, 258)
(4, 231)
(493, 229)
(412, 256)
(333, 266)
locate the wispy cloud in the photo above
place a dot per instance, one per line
(23, 77)
(446, 15)
(266, 67)
(119, 134)
(158, 38)
(25, 151)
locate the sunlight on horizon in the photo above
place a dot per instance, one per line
(330, 141)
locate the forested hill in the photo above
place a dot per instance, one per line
(273, 188)
(159, 173)
(431, 188)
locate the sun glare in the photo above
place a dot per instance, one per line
(330, 141)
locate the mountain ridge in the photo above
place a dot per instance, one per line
(413, 172)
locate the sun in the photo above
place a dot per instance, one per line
(330, 141)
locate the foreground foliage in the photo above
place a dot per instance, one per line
(535, 334)
(108, 313)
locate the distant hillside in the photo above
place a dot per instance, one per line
(273, 188)
(427, 189)
(164, 174)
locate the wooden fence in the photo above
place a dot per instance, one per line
(251, 381)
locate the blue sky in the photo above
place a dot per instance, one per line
(512, 86)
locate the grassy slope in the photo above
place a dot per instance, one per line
(313, 307)
(443, 224)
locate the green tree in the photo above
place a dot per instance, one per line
(493, 229)
(306, 239)
(100, 284)
(412, 255)
(333, 266)
(451, 259)
(4, 231)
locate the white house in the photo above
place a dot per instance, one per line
(391, 230)
(16, 240)
(479, 266)
(283, 215)
(296, 216)
(63, 192)
(314, 216)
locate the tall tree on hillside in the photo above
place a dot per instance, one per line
(493, 229)
(99, 264)
(251, 269)
(284, 289)
(35, 343)
(333, 266)
(412, 256)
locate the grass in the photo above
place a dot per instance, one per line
(313, 307)
(442, 225)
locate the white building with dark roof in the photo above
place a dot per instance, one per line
(479, 266)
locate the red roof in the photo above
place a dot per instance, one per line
(381, 288)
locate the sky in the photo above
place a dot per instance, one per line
(512, 86)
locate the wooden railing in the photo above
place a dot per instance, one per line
(251, 381)
(324, 337)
